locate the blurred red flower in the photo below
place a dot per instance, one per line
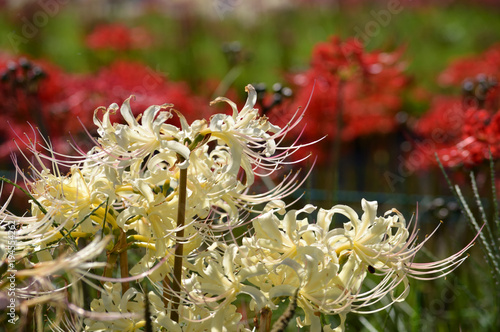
(122, 79)
(481, 135)
(118, 37)
(36, 96)
(443, 121)
(463, 130)
(350, 89)
(39, 96)
(469, 67)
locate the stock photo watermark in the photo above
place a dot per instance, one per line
(11, 272)
(381, 19)
(32, 24)
(224, 7)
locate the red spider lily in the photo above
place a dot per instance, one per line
(118, 37)
(445, 112)
(470, 67)
(349, 89)
(124, 78)
(37, 96)
(473, 133)
(481, 134)
(57, 103)
(478, 76)
(462, 131)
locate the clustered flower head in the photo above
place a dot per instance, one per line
(349, 92)
(110, 224)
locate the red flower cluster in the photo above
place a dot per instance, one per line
(349, 89)
(124, 78)
(467, 68)
(443, 122)
(464, 130)
(478, 77)
(35, 97)
(481, 134)
(39, 95)
(118, 37)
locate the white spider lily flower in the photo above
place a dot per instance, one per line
(60, 204)
(113, 301)
(131, 306)
(293, 251)
(132, 142)
(252, 139)
(75, 201)
(77, 197)
(373, 239)
(385, 246)
(328, 266)
(221, 279)
(77, 262)
(385, 242)
(282, 236)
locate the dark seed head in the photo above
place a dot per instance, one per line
(24, 63)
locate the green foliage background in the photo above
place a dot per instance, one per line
(189, 48)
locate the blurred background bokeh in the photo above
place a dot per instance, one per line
(388, 85)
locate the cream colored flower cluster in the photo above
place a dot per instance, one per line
(111, 226)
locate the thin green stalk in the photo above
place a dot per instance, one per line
(489, 256)
(265, 319)
(496, 217)
(492, 239)
(282, 322)
(334, 182)
(179, 247)
(463, 203)
(123, 260)
(4, 179)
(441, 167)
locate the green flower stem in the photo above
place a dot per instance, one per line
(265, 319)
(4, 179)
(108, 269)
(179, 248)
(496, 217)
(333, 178)
(281, 324)
(123, 260)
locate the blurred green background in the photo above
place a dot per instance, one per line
(275, 39)
(188, 45)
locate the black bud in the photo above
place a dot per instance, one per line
(286, 92)
(25, 64)
(468, 85)
(11, 66)
(38, 73)
(277, 87)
